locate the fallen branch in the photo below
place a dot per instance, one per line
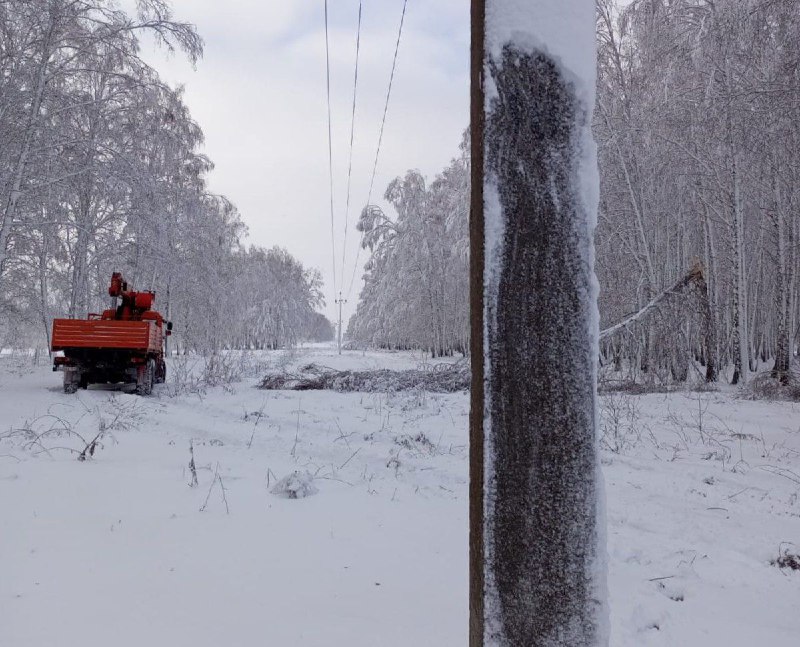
(695, 275)
(445, 378)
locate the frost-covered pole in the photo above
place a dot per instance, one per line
(537, 528)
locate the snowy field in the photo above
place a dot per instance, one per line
(119, 550)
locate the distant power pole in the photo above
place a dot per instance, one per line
(537, 538)
(339, 302)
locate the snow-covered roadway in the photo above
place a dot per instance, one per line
(114, 550)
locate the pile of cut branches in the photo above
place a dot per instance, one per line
(442, 378)
(765, 386)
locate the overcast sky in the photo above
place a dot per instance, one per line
(259, 95)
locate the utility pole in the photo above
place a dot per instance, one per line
(339, 302)
(537, 533)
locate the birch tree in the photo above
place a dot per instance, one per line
(100, 171)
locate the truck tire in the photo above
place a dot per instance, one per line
(71, 380)
(144, 384)
(161, 372)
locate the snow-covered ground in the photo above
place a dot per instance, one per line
(120, 550)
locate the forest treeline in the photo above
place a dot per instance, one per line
(416, 281)
(697, 124)
(101, 171)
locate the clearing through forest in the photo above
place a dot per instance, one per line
(121, 549)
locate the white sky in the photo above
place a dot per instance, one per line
(259, 95)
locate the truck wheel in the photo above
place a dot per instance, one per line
(84, 382)
(71, 380)
(144, 383)
(151, 376)
(161, 372)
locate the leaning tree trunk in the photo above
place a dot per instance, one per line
(537, 533)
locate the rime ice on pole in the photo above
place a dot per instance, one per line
(544, 544)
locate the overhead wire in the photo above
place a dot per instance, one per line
(330, 145)
(380, 138)
(352, 133)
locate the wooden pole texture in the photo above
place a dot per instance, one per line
(476, 556)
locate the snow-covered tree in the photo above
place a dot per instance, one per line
(697, 124)
(416, 290)
(697, 127)
(100, 172)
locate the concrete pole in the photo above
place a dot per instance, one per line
(339, 302)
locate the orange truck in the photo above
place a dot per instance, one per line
(123, 344)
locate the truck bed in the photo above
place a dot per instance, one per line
(142, 336)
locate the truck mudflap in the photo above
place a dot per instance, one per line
(73, 379)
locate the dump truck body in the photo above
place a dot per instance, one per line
(141, 336)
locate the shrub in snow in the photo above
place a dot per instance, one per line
(296, 485)
(415, 443)
(765, 387)
(787, 558)
(619, 422)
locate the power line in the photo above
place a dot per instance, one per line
(330, 144)
(386, 105)
(352, 132)
(380, 136)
